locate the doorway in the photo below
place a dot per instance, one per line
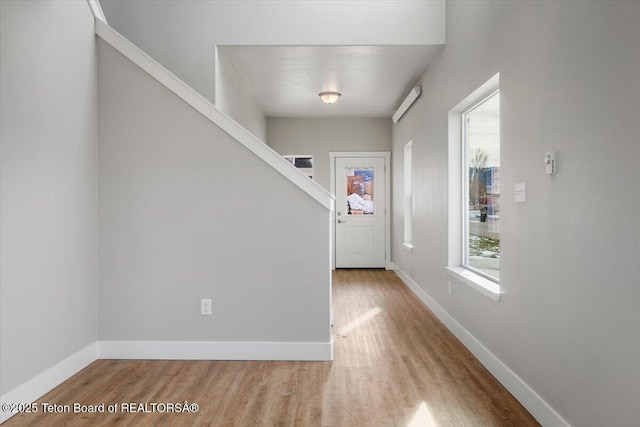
(361, 220)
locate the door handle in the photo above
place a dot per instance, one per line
(341, 221)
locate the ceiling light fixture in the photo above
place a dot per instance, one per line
(329, 97)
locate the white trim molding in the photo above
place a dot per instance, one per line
(485, 286)
(532, 401)
(205, 350)
(96, 9)
(43, 383)
(407, 246)
(212, 113)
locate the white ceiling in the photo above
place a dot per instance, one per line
(285, 80)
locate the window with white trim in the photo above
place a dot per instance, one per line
(303, 163)
(481, 187)
(474, 191)
(408, 195)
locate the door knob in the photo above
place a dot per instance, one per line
(341, 221)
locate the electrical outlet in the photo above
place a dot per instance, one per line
(205, 307)
(449, 286)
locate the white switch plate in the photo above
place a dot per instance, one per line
(205, 307)
(520, 192)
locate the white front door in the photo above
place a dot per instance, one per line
(360, 223)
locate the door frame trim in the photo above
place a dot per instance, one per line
(387, 182)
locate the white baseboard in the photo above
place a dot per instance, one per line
(43, 383)
(200, 350)
(541, 410)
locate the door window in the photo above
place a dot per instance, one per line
(360, 190)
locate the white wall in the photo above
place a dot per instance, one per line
(183, 35)
(186, 212)
(163, 30)
(283, 22)
(49, 216)
(569, 320)
(234, 100)
(318, 137)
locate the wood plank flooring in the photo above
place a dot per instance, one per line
(395, 365)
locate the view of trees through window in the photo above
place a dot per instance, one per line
(482, 154)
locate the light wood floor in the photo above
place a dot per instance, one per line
(395, 365)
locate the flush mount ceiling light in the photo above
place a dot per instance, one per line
(329, 97)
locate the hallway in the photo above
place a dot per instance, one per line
(395, 365)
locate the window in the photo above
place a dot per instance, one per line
(481, 187)
(474, 191)
(303, 163)
(408, 196)
(360, 190)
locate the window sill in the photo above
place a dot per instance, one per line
(408, 246)
(477, 282)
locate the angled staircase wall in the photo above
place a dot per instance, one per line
(193, 206)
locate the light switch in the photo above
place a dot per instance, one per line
(520, 192)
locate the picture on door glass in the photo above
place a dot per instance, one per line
(360, 190)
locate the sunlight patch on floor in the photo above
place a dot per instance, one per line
(423, 417)
(360, 320)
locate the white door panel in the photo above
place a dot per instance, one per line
(360, 235)
(360, 240)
